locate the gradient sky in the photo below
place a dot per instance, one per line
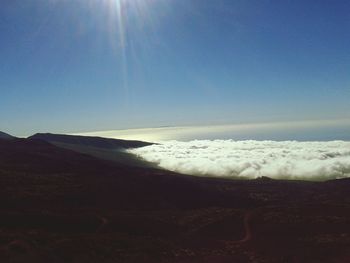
(88, 65)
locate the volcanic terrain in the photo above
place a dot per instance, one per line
(74, 199)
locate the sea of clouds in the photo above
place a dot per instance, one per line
(252, 159)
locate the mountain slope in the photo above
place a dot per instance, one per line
(40, 165)
(4, 135)
(98, 142)
(102, 148)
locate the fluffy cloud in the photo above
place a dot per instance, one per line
(252, 159)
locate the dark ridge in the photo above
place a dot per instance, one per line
(5, 136)
(47, 173)
(97, 142)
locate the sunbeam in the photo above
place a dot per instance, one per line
(127, 23)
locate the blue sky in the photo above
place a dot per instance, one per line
(85, 65)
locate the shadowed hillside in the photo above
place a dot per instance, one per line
(103, 148)
(57, 205)
(97, 142)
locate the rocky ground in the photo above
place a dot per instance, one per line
(57, 205)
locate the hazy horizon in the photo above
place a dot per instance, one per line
(312, 130)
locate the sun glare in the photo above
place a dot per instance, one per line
(120, 12)
(125, 21)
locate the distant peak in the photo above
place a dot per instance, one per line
(6, 136)
(264, 178)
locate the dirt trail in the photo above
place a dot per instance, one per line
(248, 216)
(247, 227)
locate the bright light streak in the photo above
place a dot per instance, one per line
(126, 14)
(127, 23)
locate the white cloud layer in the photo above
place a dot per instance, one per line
(251, 159)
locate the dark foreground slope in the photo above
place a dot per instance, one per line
(57, 205)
